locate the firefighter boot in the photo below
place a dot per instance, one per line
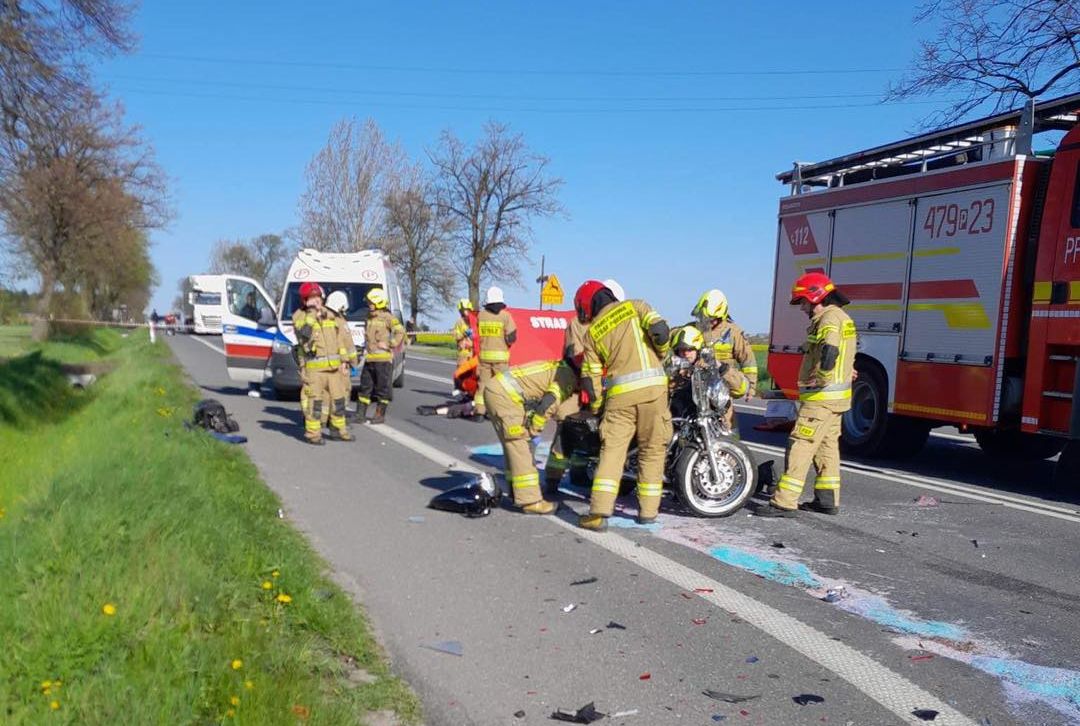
(380, 413)
(541, 507)
(362, 406)
(595, 522)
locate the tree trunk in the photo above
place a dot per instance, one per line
(39, 331)
(473, 280)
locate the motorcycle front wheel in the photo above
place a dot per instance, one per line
(699, 490)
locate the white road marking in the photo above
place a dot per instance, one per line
(878, 682)
(429, 377)
(424, 358)
(921, 482)
(208, 344)
(967, 439)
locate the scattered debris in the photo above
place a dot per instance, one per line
(416, 519)
(280, 513)
(699, 621)
(779, 545)
(925, 714)
(805, 699)
(644, 676)
(569, 608)
(728, 697)
(615, 626)
(924, 500)
(703, 590)
(976, 543)
(585, 714)
(686, 595)
(586, 581)
(924, 656)
(620, 714)
(519, 714)
(836, 594)
(752, 659)
(718, 717)
(594, 631)
(451, 647)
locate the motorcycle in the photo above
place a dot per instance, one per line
(706, 467)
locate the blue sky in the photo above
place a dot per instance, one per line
(668, 196)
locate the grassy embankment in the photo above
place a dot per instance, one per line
(442, 345)
(147, 577)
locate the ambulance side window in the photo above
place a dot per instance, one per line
(246, 301)
(1074, 220)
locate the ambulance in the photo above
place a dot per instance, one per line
(960, 251)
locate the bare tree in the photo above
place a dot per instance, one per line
(993, 54)
(341, 209)
(263, 258)
(416, 240)
(492, 192)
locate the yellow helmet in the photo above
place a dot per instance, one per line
(378, 298)
(464, 304)
(687, 337)
(712, 304)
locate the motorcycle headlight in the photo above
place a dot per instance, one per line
(282, 346)
(719, 395)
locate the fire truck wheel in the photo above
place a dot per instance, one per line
(869, 429)
(1067, 472)
(1018, 445)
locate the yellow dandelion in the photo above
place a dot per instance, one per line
(250, 685)
(237, 664)
(46, 685)
(275, 573)
(234, 700)
(267, 585)
(230, 713)
(54, 705)
(159, 391)
(283, 598)
(109, 609)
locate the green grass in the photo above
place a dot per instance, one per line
(14, 340)
(765, 381)
(107, 499)
(436, 351)
(73, 345)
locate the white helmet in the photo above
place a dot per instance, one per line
(616, 289)
(494, 295)
(338, 301)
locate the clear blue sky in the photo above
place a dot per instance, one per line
(670, 197)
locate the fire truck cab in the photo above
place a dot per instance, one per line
(960, 251)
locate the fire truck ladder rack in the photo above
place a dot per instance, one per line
(999, 136)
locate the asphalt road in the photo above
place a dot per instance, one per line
(970, 608)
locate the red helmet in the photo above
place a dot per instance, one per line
(812, 287)
(583, 299)
(310, 289)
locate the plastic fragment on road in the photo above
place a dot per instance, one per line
(569, 608)
(585, 714)
(699, 621)
(703, 590)
(924, 500)
(728, 697)
(836, 594)
(924, 656)
(519, 714)
(779, 545)
(805, 699)
(450, 647)
(752, 659)
(976, 543)
(718, 717)
(925, 714)
(615, 626)
(621, 714)
(416, 519)
(586, 581)
(644, 676)
(594, 631)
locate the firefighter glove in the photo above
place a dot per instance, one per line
(659, 333)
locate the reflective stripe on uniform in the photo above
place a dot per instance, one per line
(649, 490)
(636, 381)
(827, 482)
(494, 356)
(791, 484)
(831, 392)
(515, 430)
(532, 369)
(744, 386)
(323, 364)
(379, 357)
(525, 480)
(513, 388)
(605, 486)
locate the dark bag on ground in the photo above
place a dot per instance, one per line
(210, 414)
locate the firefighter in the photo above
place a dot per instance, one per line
(497, 334)
(338, 302)
(519, 401)
(323, 359)
(622, 373)
(382, 334)
(726, 338)
(463, 334)
(825, 377)
(557, 462)
(687, 343)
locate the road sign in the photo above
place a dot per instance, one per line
(552, 294)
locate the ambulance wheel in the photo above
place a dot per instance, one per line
(1018, 445)
(1067, 471)
(868, 429)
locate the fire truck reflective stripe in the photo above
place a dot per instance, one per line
(918, 408)
(1031, 421)
(874, 291)
(827, 482)
(605, 486)
(494, 356)
(936, 252)
(1055, 314)
(943, 289)
(1074, 292)
(965, 316)
(525, 480)
(649, 490)
(791, 484)
(1042, 292)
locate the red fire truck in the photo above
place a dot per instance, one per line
(960, 251)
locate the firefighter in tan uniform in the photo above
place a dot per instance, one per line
(338, 302)
(519, 400)
(382, 334)
(497, 333)
(557, 462)
(729, 344)
(324, 345)
(463, 335)
(825, 377)
(622, 372)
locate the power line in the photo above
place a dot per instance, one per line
(494, 96)
(518, 71)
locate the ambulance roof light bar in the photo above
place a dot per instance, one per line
(1059, 113)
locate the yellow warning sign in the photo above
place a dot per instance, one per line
(552, 294)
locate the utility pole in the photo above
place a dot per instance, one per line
(542, 280)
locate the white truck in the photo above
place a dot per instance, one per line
(203, 304)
